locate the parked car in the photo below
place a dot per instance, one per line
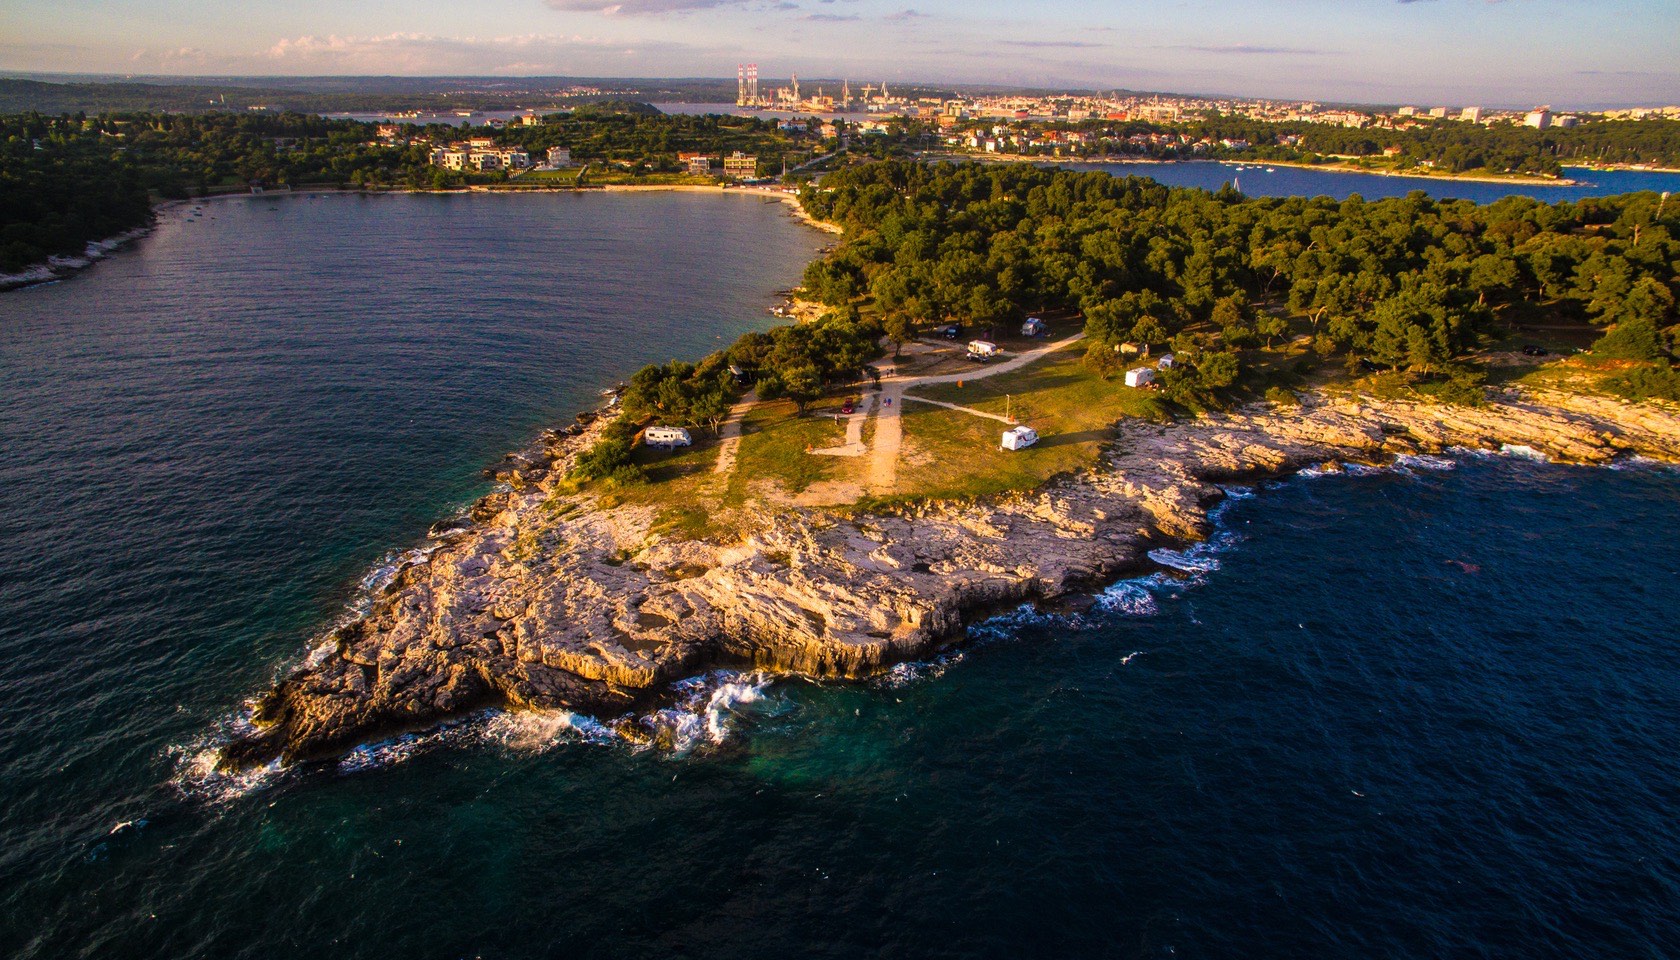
(1534, 350)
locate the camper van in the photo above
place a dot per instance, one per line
(667, 437)
(982, 350)
(1140, 376)
(1019, 438)
(1033, 327)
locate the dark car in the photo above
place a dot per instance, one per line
(951, 332)
(1534, 351)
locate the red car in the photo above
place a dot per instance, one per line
(847, 407)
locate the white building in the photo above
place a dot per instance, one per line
(1471, 115)
(559, 157)
(1539, 119)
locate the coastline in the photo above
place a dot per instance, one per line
(599, 614)
(1324, 167)
(56, 269)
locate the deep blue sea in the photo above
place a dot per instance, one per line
(1422, 712)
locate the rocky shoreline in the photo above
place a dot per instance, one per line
(553, 601)
(54, 269)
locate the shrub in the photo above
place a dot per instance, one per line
(1634, 339)
(1646, 383)
(1282, 397)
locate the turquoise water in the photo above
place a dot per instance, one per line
(1420, 712)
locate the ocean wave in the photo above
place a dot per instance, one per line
(1523, 451)
(1133, 598)
(1425, 461)
(915, 671)
(197, 777)
(708, 708)
(536, 731)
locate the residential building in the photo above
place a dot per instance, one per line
(559, 157)
(697, 163)
(1539, 119)
(1471, 115)
(740, 165)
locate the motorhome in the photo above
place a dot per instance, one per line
(666, 437)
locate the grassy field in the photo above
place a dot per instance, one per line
(948, 453)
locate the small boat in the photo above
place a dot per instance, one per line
(1271, 170)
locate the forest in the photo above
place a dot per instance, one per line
(1404, 284)
(1409, 284)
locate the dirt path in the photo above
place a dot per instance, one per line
(1013, 363)
(970, 410)
(729, 435)
(853, 447)
(889, 434)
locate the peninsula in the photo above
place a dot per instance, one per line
(830, 498)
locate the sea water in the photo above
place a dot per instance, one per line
(1422, 711)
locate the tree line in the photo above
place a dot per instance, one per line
(1408, 283)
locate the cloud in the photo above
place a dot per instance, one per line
(1052, 44)
(1248, 49)
(426, 53)
(831, 17)
(911, 14)
(638, 8)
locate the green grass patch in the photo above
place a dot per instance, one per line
(774, 441)
(952, 454)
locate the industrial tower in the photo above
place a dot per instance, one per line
(746, 85)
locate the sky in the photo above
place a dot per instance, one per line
(1567, 53)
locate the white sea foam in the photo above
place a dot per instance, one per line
(1132, 598)
(912, 671)
(1196, 559)
(708, 706)
(1525, 452)
(1424, 461)
(535, 731)
(196, 775)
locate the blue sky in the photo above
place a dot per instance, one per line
(1451, 52)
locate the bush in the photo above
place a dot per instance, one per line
(1282, 397)
(610, 454)
(1646, 383)
(1635, 339)
(1460, 387)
